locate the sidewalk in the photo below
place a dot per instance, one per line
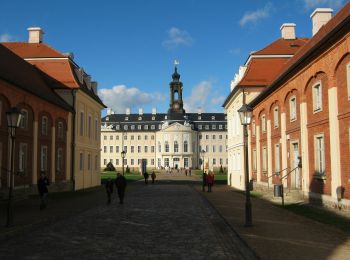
(278, 233)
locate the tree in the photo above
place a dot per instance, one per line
(110, 167)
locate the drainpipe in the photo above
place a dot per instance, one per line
(73, 139)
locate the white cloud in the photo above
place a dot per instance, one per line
(203, 97)
(253, 17)
(5, 37)
(311, 4)
(121, 97)
(235, 51)
(176, 38)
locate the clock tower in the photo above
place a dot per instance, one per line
(176, 103)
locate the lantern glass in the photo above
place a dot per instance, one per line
(245, 114)
(123, 154)
(14, 117)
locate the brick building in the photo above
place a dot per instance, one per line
(305, 112)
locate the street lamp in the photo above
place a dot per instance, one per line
(245, 114)
(203, 180)
(123, 156)
(14, 117)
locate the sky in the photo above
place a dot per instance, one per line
(129, 46)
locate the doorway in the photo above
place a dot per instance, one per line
(295, 176)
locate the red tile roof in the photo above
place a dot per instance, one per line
(338, 26)
(262, 71)
(282, 46)
(33, 50)
(18, 72)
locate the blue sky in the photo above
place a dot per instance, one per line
(129, 46)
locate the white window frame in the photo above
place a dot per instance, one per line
(44, 125)
(348, 78)
(320, 157)
(276, 117)
(277, 158)
(23, 157)
(263, 123)
(185, 146)
(24, 120)
(254, 160)
(264, 158)
(43, 158)
(292, 108)
(317, 97)
(176, 147)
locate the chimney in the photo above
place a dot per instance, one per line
(319, 18)
(109, 111)
(154, 111)
(94, 86)
(288, 31)
(35, 35)
(140, 111)
(127, 111)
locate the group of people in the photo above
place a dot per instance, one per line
(120, 183)
(208, 180)
(146, 176)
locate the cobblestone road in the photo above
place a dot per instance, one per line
(161, 221)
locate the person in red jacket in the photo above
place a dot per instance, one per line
(210, 180)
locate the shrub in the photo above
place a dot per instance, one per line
(109, 167)
(127, 170)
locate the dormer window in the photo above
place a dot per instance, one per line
(153, 127)
(139, 127)
(145, 127)
(153, 118)
(206, 127)
(125, 127)
(140, 118)
(213, 127)
(126, 118)
(165, 117)
(213, 118)
(117, 127)
(199, 117)
(107, 118)
(200, 127)
(220, 127)
(132, 127)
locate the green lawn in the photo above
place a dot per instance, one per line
(132, 176)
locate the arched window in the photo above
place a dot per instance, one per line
(293, 108)
(24, 120)
(60, 130)
(44, 125)
(166, 146)
(176, 147)
(159, 147)
(185, 147)
(176, 95)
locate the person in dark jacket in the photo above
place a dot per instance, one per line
(210, 181)
(204, 180)
(146, 175)
(109, 190)
(120, 183)
(43, 182)
(153, 176)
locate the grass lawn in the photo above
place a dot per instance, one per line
(132, 176)
(321, 215)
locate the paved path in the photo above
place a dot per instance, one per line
(160, 221)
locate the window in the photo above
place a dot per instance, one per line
(214, 161)
(152, 137)
(186, 162)
(104, 161)
(200, 137)
(200, 127)
(185, 146)
(111, 137)
(105, 137)
(220, 127)
(125, 127)
(145, 127)
(293, 108)
(139, 127)
(117, 149)
(131, 149)
(220, 148)
(59, 160)
(213, 118)
(152, 149)
(220, 161)
(264, 159)
(207, 148)
(213, 127)
(199, 118)
(89, 126)
(125, 137)
(139, 161)
(213, 137)
(125, 161)
(24, 120)
(348, 78)
(146, 137)
(105, 149)
(132, 161)
(206, 127)
(317, 97)
(139, 137)
(319, 155)
(263, 123)
(152, 161)
(166, 146)
(139, 149)
(277, 158)
(176, 147)
(146, 149)
(89, 162)
(166, 162)
(206, 137)
(153, 127)
(81, 123)
(132, 137)
(213, 148)
(275, 117)
(111, 149)
(22, 160)
(159, 147)
(43, 158)
(254, 160)
(117, 137)
(44, 125)
(117, 127)
(60, 130)
(159, 163)
(125, 149)
(81, 161)
(220, 137)
(96, 130)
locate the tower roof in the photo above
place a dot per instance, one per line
(176, 76)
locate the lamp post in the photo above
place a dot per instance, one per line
(203, 180)
(245, 114)
(123, 156)
(14, 117)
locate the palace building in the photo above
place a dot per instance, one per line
(165, 140)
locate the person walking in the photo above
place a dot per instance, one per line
(146, 175)
(204, 180)
(120, 183)
(43, 182)
(210, 181)
(153, 176)
(109, 190)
